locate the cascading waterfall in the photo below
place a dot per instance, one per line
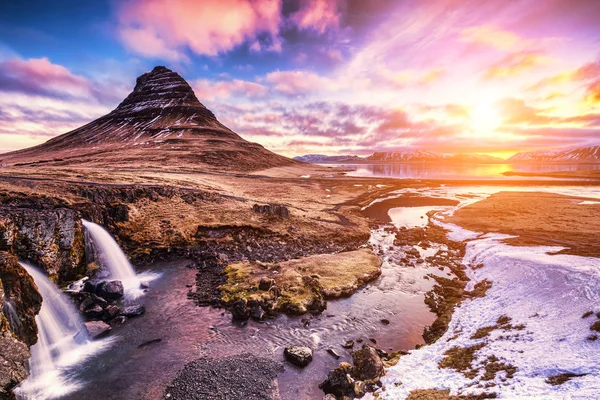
(62, 342)
(110, 256)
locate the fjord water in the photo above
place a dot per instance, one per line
(62, 342)
(457, 171)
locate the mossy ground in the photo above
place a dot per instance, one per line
(301, 281)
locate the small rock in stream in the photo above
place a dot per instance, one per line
(97, 329)
(385, 321)
(333, 353)
(111, 290)
(134, 311)
(298, 355)
(149, 342)
(349, 344)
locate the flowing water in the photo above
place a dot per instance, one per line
(62, 342)
(458, 171)
(110, 257)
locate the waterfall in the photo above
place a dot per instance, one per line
(62, 343)
(110, 254)
(11, 314)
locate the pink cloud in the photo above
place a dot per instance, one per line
(164, 28)
(294, 83)
(208, 90)
(317, 15)
(40, 77)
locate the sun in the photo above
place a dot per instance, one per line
(484, 119)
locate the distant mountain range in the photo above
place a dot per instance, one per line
(582, 154)
(579, 155)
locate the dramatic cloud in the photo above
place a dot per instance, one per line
(317, 15)
(38, 76)
(166, 28)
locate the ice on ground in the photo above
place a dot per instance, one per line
(546, 293)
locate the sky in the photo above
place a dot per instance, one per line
(317, 76)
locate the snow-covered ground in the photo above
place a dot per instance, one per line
(548, 294)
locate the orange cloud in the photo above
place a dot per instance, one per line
(515, 64)
(491, 36)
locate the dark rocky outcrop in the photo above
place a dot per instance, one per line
(44, 231)
(19, 303)
(22, 292)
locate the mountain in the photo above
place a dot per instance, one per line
(322, 158)
(581, 154)
(160, 123)
(405, 156)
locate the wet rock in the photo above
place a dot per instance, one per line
(257, 313)
(111, 290)
(144, 285)
(110, 312)
(149, 342)
(349, 344)
(277, 210)
(339, 382)
(333, 353)
(367, 364)
(89, 286)
(298, 355)
(385, 321)
(134, 311)
(97, 329)
(120, 320)
(373, 340)
(94, 311)
(239, 310)
(14, 355)
(18, 288)
(330, 397)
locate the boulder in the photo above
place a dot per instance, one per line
(110, 290)
(97, 329)
(239, 310)
(339, 382)
(133, 311)
(367, 364)
(257, 313)
(298, 355)
(276, 210)
(110, 312)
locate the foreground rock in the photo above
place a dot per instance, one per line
(296, 286)
(19, 304)
(231, 378)
(97, 329)
(347, 381)
(44, 231)
(110, 290)
(298, 355)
